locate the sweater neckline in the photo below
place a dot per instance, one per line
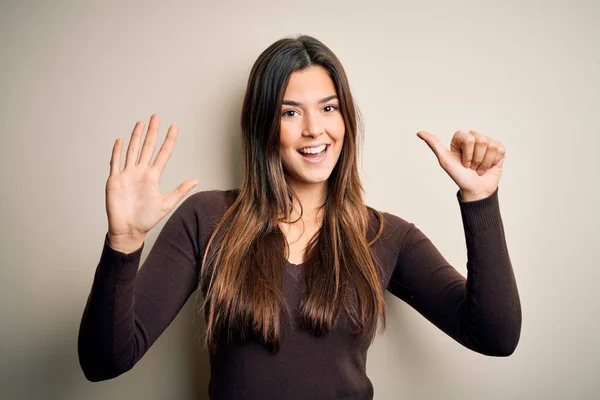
(294, 265)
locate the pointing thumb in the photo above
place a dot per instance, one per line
(433, 142)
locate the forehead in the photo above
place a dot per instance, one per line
(310, 84)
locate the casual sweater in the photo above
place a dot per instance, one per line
(127, 309)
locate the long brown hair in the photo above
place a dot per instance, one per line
(243, 263)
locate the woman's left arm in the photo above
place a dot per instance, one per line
(483, 311)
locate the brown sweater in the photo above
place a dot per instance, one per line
(128, 309)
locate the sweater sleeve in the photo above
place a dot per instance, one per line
(127, 309)
(483, 311)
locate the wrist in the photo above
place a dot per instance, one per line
(125, 243)
(470, 196)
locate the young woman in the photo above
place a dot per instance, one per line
(293, 264)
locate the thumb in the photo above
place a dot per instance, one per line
(433, 142)
(179, 193)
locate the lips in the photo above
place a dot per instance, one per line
(314, 149)
(314, 158)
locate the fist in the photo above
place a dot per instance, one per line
(474, 161)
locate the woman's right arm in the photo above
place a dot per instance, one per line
(127, 310)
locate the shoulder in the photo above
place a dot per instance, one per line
(208, 204)
(395, 228)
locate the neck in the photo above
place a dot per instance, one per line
(311, 196)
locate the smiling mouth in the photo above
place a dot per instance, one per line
(314, 154)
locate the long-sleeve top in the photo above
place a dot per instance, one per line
(127, 310)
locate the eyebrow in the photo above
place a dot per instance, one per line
(298, 104)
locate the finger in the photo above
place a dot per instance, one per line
(115, 158)
(433, 142)
(500, 156)
(481, 144)
(176, 195)
(150, 140)
(464, 143)
(500, 163)
(166, 149)
(488, 159)
(134, 143)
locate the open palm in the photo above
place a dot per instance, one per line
(134, 204)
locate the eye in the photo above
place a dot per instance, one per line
(286, 113)
(331, 106)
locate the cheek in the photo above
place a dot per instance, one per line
(338, 129)
(286, 136)
(286, 145)
(339, 137)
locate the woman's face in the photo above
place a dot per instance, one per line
(312, 127)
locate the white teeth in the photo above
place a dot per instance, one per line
(313, 150)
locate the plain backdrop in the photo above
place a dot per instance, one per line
(74, 76)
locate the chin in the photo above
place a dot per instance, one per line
(311, 178)
(315, 180)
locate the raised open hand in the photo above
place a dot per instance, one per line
(134, 204)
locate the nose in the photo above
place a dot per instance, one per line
(313, 126)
